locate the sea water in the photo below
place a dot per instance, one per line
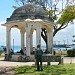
(18, 48)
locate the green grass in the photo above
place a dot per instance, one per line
(1, 53)
(61, 53)
(66, 69)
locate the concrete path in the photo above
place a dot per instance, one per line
(10, 63)
(13, 64)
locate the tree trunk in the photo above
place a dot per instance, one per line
(44, 35)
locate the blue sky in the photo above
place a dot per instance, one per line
(6, 11)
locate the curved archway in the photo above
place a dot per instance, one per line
(15, 39)
(46, 31)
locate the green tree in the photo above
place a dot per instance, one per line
(74, 38)
(68, 15)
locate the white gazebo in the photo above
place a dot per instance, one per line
(27, 19)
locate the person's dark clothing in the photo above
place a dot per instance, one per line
(38, 56)
(11, 51)
(46, 51)
(21, 51)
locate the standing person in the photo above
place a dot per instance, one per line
(38, 57)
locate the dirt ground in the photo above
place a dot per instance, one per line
(6, 66)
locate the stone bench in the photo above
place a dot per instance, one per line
(18, 57)
(52, 58)
(45, 58)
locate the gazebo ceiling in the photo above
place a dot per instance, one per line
(28, 11)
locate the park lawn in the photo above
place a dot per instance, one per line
(0, 54)
(65, 69)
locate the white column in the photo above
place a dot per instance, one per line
(8, 44)
(50, 40)
(38, 36)
(22, 38)
(31, 41)
(28, 41)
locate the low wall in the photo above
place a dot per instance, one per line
(68, 60)
(46, 58)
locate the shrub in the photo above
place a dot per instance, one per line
(71, 53)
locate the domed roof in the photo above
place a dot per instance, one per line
(28, 11)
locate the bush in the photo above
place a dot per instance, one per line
(71, 53)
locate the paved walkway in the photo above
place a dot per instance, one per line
(10, 63)
(13, 64)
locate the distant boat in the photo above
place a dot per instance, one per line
(55, 47)
(61, 46)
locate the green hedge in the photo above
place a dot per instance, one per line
(71, 53)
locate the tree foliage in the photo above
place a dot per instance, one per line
(68, 15)
(73, 38)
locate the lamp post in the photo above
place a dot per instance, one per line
(64, 42)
